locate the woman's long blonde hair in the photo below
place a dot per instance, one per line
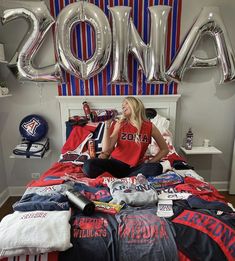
(138, 114)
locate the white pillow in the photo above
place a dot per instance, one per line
(161, 123)
(153, 148)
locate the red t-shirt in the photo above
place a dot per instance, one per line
(127, 149)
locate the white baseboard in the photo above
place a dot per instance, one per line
(220, 185)
(16, 191)
(4, 196)
(11, 192)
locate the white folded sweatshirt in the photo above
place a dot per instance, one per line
(34, 232)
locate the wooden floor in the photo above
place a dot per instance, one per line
(230, 198)
(7, 206)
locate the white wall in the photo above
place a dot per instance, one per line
(27, 98)
(205, 105)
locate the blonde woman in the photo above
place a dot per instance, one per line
(125, 143)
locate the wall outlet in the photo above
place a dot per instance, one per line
(35, 175)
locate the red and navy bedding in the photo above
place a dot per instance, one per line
(45, 226)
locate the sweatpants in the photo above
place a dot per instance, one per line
(95, 167)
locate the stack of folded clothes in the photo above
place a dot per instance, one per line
(28, 149)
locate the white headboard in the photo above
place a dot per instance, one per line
(166, 105)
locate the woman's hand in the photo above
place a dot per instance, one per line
(104, 155)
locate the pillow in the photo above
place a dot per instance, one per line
(153, 148)
(161, 123)
(150, 113)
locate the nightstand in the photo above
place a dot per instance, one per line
(201, 159)
(201, 150)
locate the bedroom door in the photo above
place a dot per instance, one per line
(232, 178)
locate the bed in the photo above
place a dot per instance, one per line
(174, 216)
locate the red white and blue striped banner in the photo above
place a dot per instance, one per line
(83, 46)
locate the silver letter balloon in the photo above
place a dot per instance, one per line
(40, 20)
(123, 40)
(67, 19)
(208, 22)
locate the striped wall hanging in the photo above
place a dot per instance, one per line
(82, 39)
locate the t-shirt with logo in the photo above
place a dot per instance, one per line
(93, 238)
(204, 231)
(142, 235)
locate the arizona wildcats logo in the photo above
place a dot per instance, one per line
(31, 126)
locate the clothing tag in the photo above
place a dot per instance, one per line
(164, 208)
(174, 196)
